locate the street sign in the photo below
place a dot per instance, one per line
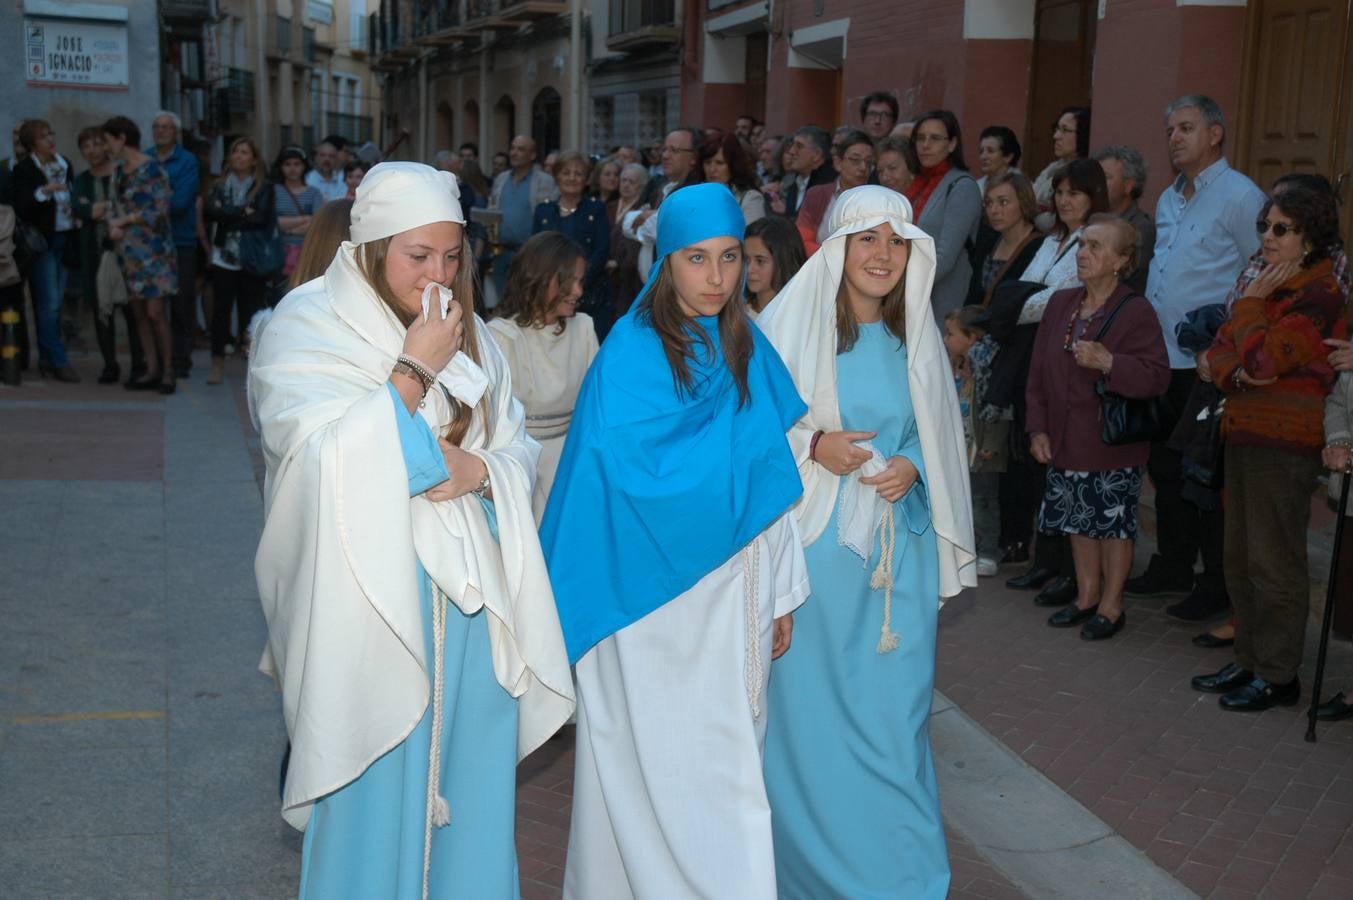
(74, 52)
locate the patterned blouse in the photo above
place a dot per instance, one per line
(146, 250)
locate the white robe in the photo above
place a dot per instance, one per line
(547, 371)
(668, 796)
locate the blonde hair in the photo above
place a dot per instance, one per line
(371, 262)
(327, 232)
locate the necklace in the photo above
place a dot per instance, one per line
(567, 210)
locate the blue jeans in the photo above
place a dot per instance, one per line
(47, 281)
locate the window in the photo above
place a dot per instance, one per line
(357, 30)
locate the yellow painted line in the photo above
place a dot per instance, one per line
(116, 715)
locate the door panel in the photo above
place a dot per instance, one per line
(1294, 98)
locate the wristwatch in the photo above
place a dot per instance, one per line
(483, 488)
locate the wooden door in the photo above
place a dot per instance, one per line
(1063, 63)
(1298, 74)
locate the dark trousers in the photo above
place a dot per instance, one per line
(233, 289)
(105, 331)
(183, 312)
(1268, 507)
(1182, 529)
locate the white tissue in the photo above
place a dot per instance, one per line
(446, 295)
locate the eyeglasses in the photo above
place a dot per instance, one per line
(668, 148)
(1280, 229)
(878, 114)
(932, 139)
(1062, 129)
(859, 160)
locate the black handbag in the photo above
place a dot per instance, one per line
(29, 244)
(261, 250)
(1129, 420)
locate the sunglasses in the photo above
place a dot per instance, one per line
(1279, 229)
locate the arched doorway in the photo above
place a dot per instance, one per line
(546, 120)
(504, 123)
(446, 130)
(470, 122)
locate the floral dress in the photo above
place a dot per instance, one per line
(146, 251)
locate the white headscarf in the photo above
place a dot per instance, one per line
(400, 196)
(801, 323)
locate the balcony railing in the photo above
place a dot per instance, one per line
(234, 95)
(638, 22)
(357, 129)
(433, 16)
(188, 10)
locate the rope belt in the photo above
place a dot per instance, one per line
(883, 578)
(438, 812)
(754, 670)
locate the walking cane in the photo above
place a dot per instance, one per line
(1329, 607)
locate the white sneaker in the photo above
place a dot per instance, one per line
(987, 567)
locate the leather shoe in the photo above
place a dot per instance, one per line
(1031, 580)
(1209, 641)
(110, 374)
(1018, 552)
(1059, 593)
(1157, 580)
(1259, 695)
(1100, 628)
(1228, 679)
(67, 374)
(1201, 604)
(1072, 615)
(1335, 709)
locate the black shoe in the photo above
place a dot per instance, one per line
(1071, 615)
(1059, 593)
(1228, 679)
(1335, 709)
(1157, 580)
(1259, 695)
(1031, 580)
(1099, 628)
(143, 384)
(1210, 641)
(67, 374)
(168, 387)
(1200, 605)
(1018, 552)
(110, 374)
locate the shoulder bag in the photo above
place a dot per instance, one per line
(1129, 420)
(261, 251)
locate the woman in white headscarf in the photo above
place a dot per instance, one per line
(410, 621)
(886, 518)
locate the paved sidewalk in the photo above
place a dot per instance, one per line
(139, 745)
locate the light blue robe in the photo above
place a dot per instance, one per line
(854, 806)
(366, 839)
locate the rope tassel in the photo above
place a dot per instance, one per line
(438, 810)
(882, 579)
(754, 669)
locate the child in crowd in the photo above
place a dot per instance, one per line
(774, 255)
(985, 428)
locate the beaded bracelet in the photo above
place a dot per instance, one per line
(425, 374)
(403, 368)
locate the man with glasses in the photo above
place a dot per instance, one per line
(1204, 235)
(878, 114)
(854, 159)
(680, 155)
(809, 162)
(182, 168)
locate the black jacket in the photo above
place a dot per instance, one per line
(40, 214)
(823, 174)
(260, 213)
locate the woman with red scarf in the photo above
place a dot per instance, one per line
(946, 203)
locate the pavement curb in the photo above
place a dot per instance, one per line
(1039, 837)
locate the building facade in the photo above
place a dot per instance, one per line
(280, 71)
(75, 65)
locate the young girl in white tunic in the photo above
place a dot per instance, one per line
(675, 568)
(547, 342)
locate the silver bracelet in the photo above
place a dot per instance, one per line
(483, 488)
(427, 375)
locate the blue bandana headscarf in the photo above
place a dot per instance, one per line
(657, 488)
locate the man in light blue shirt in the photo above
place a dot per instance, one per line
(327, 176)
(1204, 234)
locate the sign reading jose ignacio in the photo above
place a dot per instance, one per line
(62, 52)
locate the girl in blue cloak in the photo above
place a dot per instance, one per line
(675, 567)
(887, 518)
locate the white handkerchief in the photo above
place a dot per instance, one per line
(861, 507)
(446, 297)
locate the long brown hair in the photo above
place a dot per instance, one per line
(327, 231)
(680, 335)
(371, 261)
(894, 310)
(542, 259)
